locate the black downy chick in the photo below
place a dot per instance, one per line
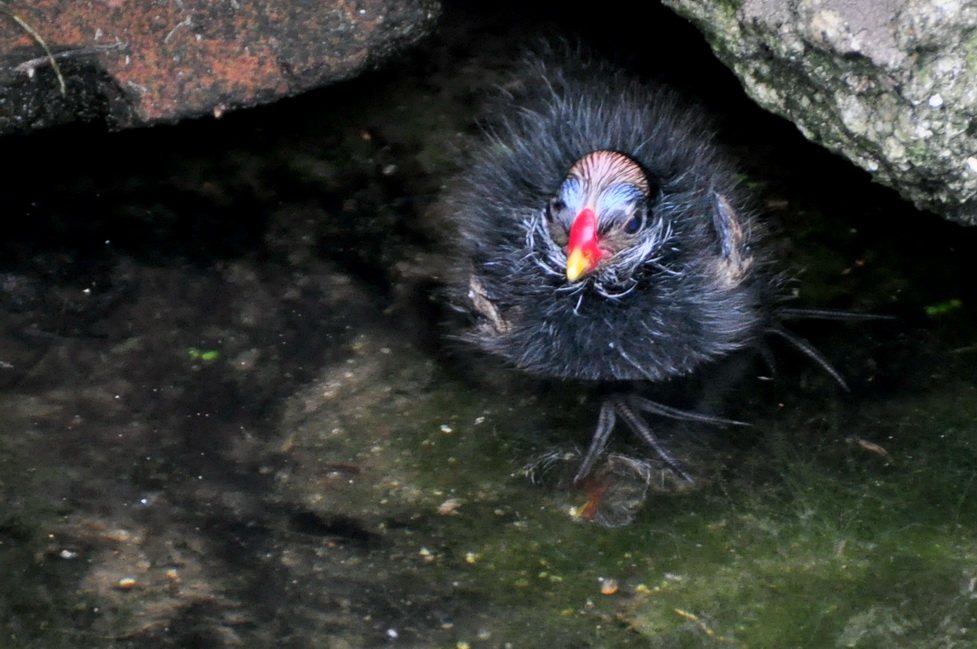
(602, 236)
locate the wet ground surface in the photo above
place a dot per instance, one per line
(231, 415)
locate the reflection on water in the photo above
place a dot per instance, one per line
(229, 415)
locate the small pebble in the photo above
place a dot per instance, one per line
(449, 507)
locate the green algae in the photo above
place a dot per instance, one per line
(835, 547)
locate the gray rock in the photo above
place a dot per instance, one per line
(890, 84)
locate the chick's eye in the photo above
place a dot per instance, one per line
(639, 217)
(634, 224)
(555, 205)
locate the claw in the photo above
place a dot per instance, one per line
(628, 409)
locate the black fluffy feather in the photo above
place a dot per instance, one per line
(703, 287)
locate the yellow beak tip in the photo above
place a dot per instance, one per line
(577, 266)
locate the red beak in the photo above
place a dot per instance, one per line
(582, 251)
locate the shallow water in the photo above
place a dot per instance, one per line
(230, 414)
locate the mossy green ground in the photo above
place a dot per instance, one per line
(809, 543)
